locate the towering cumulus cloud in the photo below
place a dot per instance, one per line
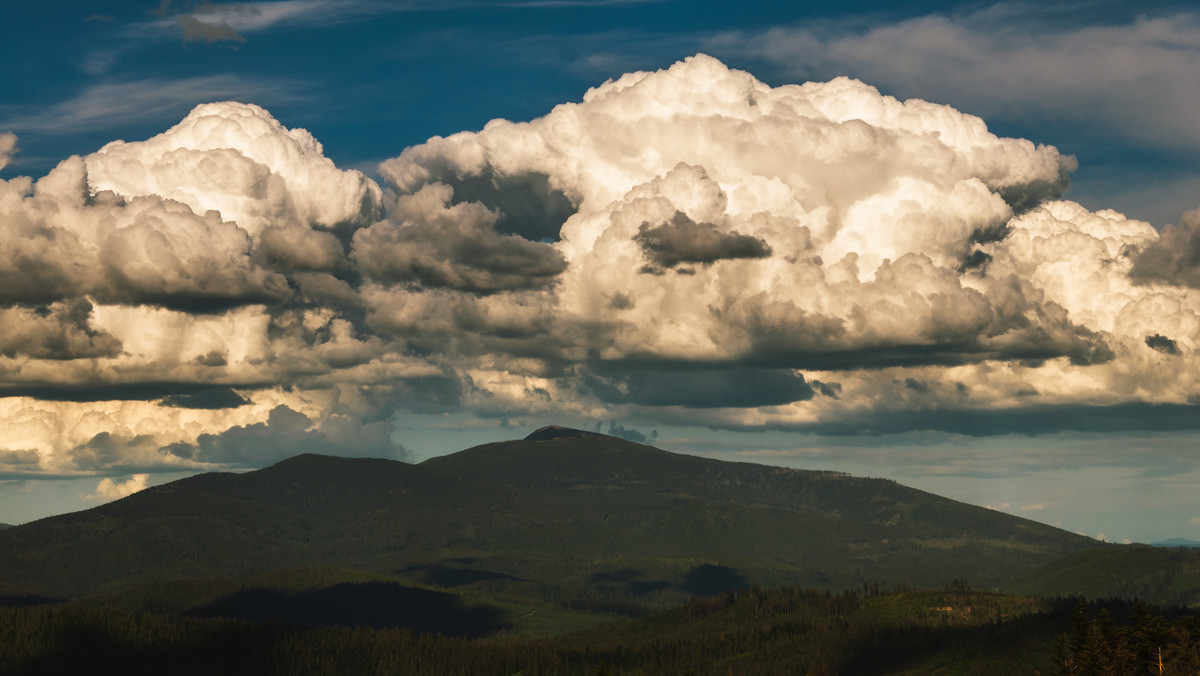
(156, 292)
(896, 253)
(690, 245)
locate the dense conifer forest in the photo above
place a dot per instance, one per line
(1118, 639)
(778, 631)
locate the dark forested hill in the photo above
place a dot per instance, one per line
(363, 513)
(581, 519)
(583, 463)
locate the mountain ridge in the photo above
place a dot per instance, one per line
(575, 460)
(569, 516)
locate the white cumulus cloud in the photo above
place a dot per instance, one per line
(8, 147)
(109, 490)
(239, 161)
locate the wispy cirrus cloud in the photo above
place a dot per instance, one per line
(214, 22)
(104, 105)
(1010, 61)
(551, 4)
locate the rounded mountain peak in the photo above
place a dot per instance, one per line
(556, 431)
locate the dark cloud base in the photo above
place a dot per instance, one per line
(1131, 417)
(218, 398)
(731, 388)
(682, 240)
(175, 394)
(527, 204)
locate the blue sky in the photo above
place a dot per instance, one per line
(1115, 86)
(370, 78)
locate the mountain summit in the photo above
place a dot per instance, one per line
(556, 432)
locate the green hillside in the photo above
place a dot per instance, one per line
(582, 520)
(1155, 574)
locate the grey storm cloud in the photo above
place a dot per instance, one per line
(26, 456)
(284, 434)
(1174, 257)
(526, 204)
(736, 388)
(962, 328)
(440, 245)
(1162, 344)
(210, 398)
(1030, 420)
(58, 331)
(627, 433)
(106, 451)
(172, 394)
(158, 260)
(296, 248)
(141, 250)
(40, 263)
(682, 240)
(213, 358)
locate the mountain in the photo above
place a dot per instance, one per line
(832, 529)
(569, 517)
(308, 510)
(4, 525)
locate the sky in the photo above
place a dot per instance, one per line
(952, 244)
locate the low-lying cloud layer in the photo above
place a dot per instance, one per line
(690, 246)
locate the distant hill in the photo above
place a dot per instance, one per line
(576, 518)
(308, 510)
(4, 525)
(1177, 542)
(320, 596)
(1154, 574)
